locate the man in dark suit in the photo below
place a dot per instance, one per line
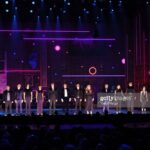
(65, 96)
(52, 98)
(106, 94)
(8, 99)
(78, 96)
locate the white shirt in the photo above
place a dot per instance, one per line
(8, 96)
(65, 93)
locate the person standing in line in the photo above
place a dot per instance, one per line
(130, 97)
(28, 96)
(89, 99)
(143, 99)
(8, 99)
(106, 92)
(118, 98)
(52, 98)
(78, 96)
(65, 97)
(19, 99)
(39, 100)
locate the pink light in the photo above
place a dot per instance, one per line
(149, 72)
(123, 61)
(57, 48)
(92, 70)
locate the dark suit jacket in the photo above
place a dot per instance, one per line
(78, 93)
(62, 93)
(5, 95)
(52, 94)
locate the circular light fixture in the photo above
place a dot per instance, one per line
(92, 70)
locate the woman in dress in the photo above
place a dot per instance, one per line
(39, 100)
(143, 99)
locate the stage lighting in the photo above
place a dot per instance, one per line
(92, 70)
(64, 11)
(57, 48)
(31, 11)
(6, 2)
(33, 2)
(68, 3)
(123, 61)
(112, 10)
(7, 10)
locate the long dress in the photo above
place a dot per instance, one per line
(143, 99)
(89, 102)
(40, 101)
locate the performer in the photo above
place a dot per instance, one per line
(28, 96)
(143, 99)
(78, 96)
(8, 99)
(19, 99)
(130, 97)
(119, 98)
(65, 96)
(106, 92)
(52, 98)
(39, 100)
(89, 99)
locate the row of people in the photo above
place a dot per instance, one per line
(26, 96)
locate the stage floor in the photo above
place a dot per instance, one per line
(60, 111)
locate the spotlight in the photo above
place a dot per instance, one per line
(7, 10)
(112, 10)
(6, 2)
(31, 11)
(57, 48)
(68, 3)
(123, 61)
(33, 2)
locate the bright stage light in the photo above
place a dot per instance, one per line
(6, 2)
(57, 48)
(31, 11)
(123, 61)
(7, 10)
(33, 2)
